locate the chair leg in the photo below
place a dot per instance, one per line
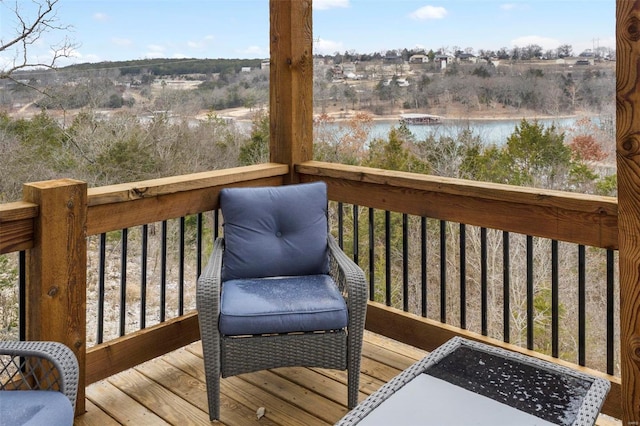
(213, 396)
(211, 355)
(354, 342)
(353, 388)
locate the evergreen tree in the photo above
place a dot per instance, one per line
(256, 151)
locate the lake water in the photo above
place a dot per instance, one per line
(490, 131)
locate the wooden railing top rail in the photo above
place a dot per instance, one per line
(578, 218)
(115, 207)
(16, 226)
(130, 204)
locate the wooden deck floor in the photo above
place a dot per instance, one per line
(171, 390)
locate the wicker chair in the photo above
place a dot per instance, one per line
(38, 383)
(278, 291)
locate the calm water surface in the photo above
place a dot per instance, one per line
(490, 131)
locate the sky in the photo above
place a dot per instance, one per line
(113, 30)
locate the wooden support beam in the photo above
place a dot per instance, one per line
(628, 153)
(57, 269)
(291, 83)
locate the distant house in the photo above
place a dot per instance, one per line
(418, 59)
(466, 57)
(443, 59)
(245, 69)
(265, 64)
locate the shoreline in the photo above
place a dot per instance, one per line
(245, 114)
(342, 116)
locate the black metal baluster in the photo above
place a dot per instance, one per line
(356, 235)
(181, 250)
(463, 276)
(423, 265)
(163, 272)
(530, 293)
(372, 256)
(340, 226)
(387, 256)
(484, 305)
(101, 286)
(582, 306)
(123, 281)
(506, 288)
(22, 295)
(216, 224)
(610, 312)
(443, 271)
(143, 276)
(405, 262)
(555, 302)
(199, 243)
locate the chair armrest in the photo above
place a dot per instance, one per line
(208, 295)
(22, 367)
(350, 279)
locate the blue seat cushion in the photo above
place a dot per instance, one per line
(281, 305)
(275, 231)
(35, 408)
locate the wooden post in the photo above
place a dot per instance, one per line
(57, 269)
(291, 83)
(628, 153)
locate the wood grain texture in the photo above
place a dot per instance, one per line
(577, 218)
(121, 206)
(182, 373)
(16, 226)
(57, 268)
(628, 162)
(291, 82)
(126, 352)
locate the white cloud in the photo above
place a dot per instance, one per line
(327, 47)
(429, 12)
(155, 51)
(545, 42)
(508, 6)
(102, 17)
(256, 51)
(330, 4)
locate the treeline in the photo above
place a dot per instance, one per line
(103, 151)
(166, 66)
(108, 89)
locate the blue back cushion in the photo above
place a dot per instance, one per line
(275, 231)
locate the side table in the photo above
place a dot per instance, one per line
(468, 383)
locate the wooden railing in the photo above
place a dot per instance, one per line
(56, 217)
(575, 218)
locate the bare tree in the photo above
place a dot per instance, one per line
(32, 22)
